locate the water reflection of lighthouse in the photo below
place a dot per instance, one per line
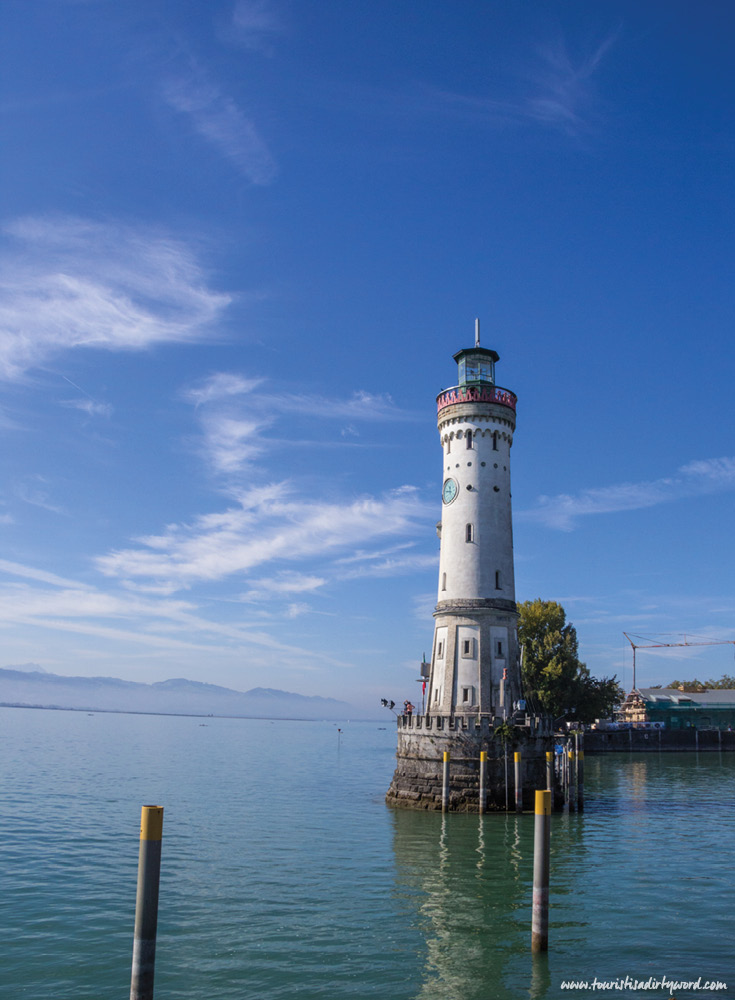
(471, 909)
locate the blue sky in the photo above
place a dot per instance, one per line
(240, 242)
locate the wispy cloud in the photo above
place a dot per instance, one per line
(89, 407)
(221, 123)
(359, 405)
(565, 95)
(697, 478)
(31, 573)
(395, 566)
(33, 491)
(555, 90)
(266, 588)
(70, 283)
(272, 528)
(233, 417)
(124, 618)
(232, 443)
(254, 22)
(219, 386)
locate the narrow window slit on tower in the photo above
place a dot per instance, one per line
(469, 533)
(444, 581)
(495, 440)
(497, 580)
(469, 439)
(500, 648)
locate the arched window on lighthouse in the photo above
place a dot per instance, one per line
(469, 533)
(495, 440)
(469, 439)
(444, 581)
(497, 580)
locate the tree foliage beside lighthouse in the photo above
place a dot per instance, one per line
(554, 678)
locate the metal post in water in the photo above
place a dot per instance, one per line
(483, 781)
(517, 779)
(445, 782)
(572, 779)
(541, 850)
(146, 904)
(550, 774)
(565, 776)
(580, 781)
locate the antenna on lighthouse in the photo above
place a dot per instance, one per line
(477, 333)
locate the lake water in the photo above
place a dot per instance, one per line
(284, 875)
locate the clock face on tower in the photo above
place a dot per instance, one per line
(449, 491)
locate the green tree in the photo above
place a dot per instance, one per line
(725, 683)
(554, 678)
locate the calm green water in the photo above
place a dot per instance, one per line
(285, 876)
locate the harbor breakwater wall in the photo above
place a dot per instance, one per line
(658, 740)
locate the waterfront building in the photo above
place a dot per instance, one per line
(474, 679)
(672, 708)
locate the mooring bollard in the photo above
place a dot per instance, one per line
(518, 781)
(541, 849)
(146, 903)
(483, 781)
(550, 774)
(445, 782)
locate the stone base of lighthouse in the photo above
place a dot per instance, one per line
(423, 740)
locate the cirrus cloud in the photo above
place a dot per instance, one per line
(274, 528)
(697, 478)
(68, 282)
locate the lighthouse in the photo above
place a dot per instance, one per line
(475, 661)
(474, 699)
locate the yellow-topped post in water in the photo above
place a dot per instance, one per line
(541, 850)
(518, 781)
(445, 782)
(146, 904)
(482, 799)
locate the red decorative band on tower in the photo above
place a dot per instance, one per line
(466, 394)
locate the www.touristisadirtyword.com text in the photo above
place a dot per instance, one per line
(628, 983)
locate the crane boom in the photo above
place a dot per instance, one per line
(653, 644)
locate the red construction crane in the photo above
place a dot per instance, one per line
(654, 643)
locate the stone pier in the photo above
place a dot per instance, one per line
(423, 740)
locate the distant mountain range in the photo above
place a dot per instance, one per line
(29, 686)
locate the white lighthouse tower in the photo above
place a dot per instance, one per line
(475, 661)
(474, 712)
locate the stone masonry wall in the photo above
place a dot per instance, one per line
(417, 782)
